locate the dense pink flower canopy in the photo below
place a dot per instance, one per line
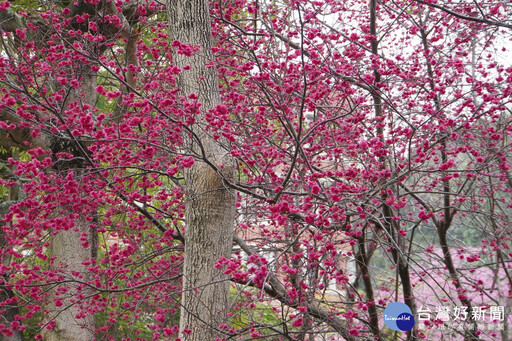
(372, 142)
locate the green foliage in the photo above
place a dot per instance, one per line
(261, 316)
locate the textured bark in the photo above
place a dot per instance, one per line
(210, 211)
(208, 237)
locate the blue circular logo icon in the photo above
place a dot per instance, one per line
(398, 316)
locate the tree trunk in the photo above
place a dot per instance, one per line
(70, 254)
(210, 211)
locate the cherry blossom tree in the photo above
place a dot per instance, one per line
(243, 170)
